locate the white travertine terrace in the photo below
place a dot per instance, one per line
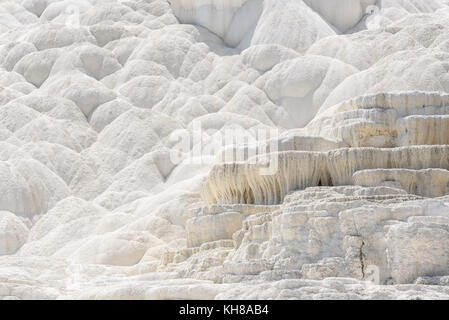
(386, 120)
(94, 206)
(244, 183)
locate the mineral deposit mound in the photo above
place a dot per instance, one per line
(224, 149)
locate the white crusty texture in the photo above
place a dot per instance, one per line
(386, 120)
(248, 183)
(353, 93)
(13, 233)
(336, 232)
(426, 182)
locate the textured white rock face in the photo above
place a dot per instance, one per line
(428, 183)
(13, 233)
(99, 199)
(244, 182)
(344, 14)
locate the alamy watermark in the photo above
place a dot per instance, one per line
(234, 144)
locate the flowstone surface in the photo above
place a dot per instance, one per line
(122, 175)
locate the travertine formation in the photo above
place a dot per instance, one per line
(244, 182)
(120, 177)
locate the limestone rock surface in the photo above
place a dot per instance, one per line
(224, 149)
